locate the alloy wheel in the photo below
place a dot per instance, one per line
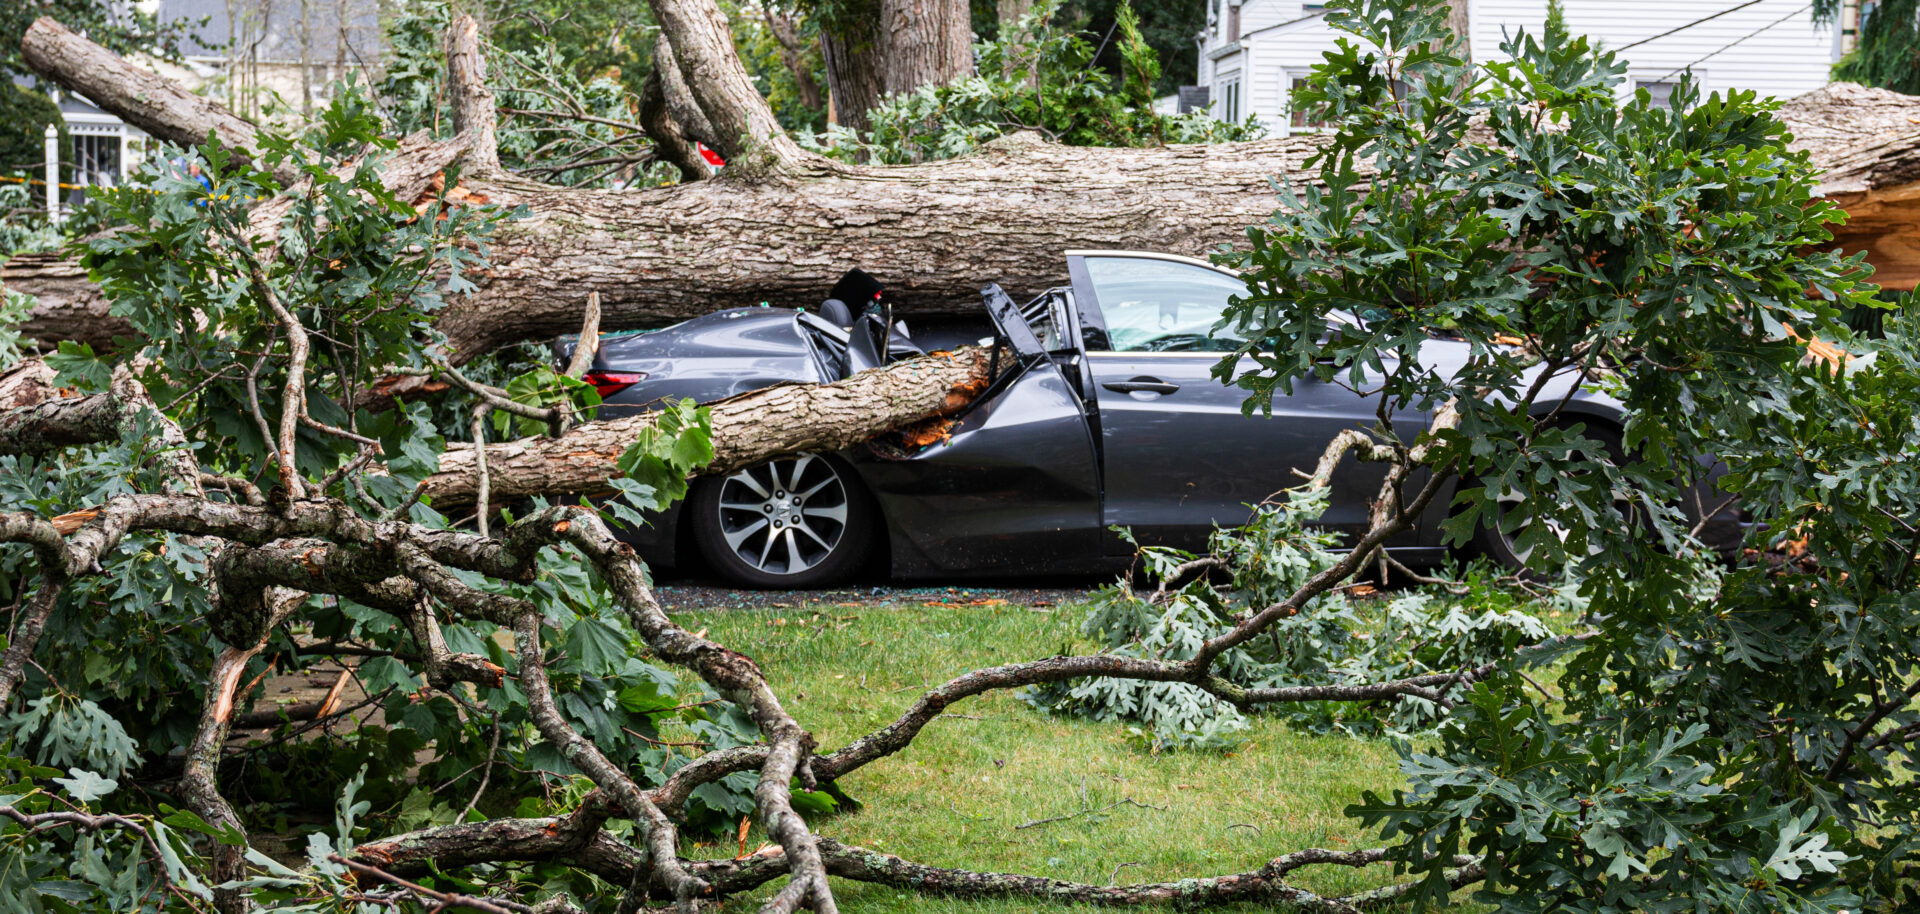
(1511, 502)
(785, 516)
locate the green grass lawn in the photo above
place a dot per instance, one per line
(958, 796)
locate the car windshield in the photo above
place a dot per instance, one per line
(1155, 305)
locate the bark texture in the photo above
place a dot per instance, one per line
(783, 230)
(1868, 142)
(473, 109)
(744, 129)
(926, 43)
(267, 554)
(854, 80)
(673, 121)
(747, 429)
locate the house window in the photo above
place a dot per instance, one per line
(1302, 119)
(1233, 22)
(1229, 110)
(1661, 91)
(96, 153)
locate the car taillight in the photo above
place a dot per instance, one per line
(609, 383)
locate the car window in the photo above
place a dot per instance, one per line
(1163, 305)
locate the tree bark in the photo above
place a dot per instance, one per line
(1868, 143)
(888, 47)
(926, 42)
(782, 232)
(151, 102)
(747, 429)
(933, 232)
(473, 109)
(744, 129)
(674, 123)
(850, 50)
(1458, 23)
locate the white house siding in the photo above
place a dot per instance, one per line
(1771, 47)
(1288, 50)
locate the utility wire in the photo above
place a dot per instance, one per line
(1738, 40)
(1733, 9)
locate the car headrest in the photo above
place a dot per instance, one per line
(858, 290)
(836, 313)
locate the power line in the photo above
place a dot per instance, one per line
(1738, 40)
(1689, 25)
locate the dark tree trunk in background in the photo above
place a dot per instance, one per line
(890, 47)
(851, 52)
(925, 42)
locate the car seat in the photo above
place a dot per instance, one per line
(837, 313)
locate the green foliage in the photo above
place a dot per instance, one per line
(1068, 100)
(117, 643)
(126, 862)
(362, 268)
(767, 62)
(24, 227)
(654, 468)
(1330, 642)
(1885, 52)
(120, 670)
(63, 730)
(1732, 737)
(571, 119)
(24, 116)
(14, 307)
(540, 385)
(1165, 26)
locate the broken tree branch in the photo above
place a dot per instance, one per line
(473, 109)
(747, 429)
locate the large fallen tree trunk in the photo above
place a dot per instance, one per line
(781, 235)
(933, 233)
(1868, 143)
(782, 225)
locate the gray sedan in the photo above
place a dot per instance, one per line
(1106, 415)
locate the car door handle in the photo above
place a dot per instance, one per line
(1142, 385)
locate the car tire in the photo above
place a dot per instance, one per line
(793, 522)
(1488, 539)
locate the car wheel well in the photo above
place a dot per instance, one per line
(716, 529)
(1486, 540)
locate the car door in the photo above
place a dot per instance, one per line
(1178, 456)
